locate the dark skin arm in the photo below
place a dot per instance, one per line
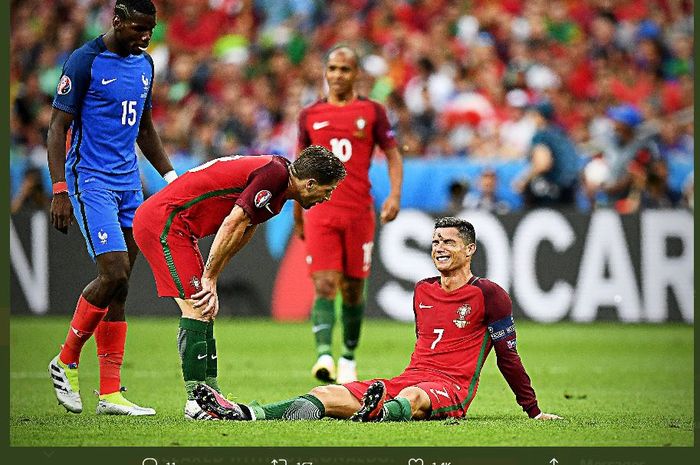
(150, 144)
(61, 209)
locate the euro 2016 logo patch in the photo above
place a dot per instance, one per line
(64, 85)
(262, 197)
(462, 314)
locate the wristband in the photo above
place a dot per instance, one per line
(60, 187)
(170, 176)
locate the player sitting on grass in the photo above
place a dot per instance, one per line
(229, 197)
(459, 318)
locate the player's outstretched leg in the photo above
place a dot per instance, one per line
(65, 384)
(216, 407)
(372, 404)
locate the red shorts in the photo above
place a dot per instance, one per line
(176, 262)
(339, 242)
(447, 399)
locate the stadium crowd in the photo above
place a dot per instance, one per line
(457, 78)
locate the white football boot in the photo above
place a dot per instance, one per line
(66, 384)
(194, 412)
(324, 369)
(116, 404)
(347, 371)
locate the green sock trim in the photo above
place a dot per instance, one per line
(323, 320)
(212, 383)
(316, 401)
(397, 409)
(189, 388)
(212, 368)
(258, 410)
(275, 411)
(352, 324)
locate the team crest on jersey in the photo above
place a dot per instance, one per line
(196, 283)
(360, 124)
(262, 197)
(102, 236)
(64, 85)
(462, 314)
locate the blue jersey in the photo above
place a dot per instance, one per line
(106, 93)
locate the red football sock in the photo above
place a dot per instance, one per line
(110, 338)
(85, 320)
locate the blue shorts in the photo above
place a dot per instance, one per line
(101, 215)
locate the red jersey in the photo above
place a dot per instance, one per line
(350, 132)
(198, 201)
(456, 331)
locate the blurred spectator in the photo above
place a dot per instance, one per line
(552, 176)
(454, 75)
(486, 196)
(457, 191)
(31, 195)
(515, 133)
(630, 154)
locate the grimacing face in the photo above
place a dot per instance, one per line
(341, 71)
(314, 193)
(448, 251)
(134, 34)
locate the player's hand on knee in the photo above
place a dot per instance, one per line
(548, 416)
(207, 300)
(61, 211)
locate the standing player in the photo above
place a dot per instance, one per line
(228, 197)
(339, 235)
(104, 98)
(459, 318)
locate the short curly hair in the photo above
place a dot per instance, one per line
(464, 227)
(125, 8)
(320, 164)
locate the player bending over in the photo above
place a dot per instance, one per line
(459, 319)
(229, 197)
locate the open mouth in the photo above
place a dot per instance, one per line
(442, 258)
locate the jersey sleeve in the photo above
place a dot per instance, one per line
(263, 183)
(501, 326)
(303, 138)
(74, 82)
(383, 133)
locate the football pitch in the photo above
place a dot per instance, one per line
(616, 385)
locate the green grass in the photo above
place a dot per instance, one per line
(616, 385)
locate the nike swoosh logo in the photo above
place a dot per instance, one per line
(267, 205)
(201, 357)
(214, 357)
(108, 81)
(80, 334)
(420, 305)
(320, 124)
(318, 328)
